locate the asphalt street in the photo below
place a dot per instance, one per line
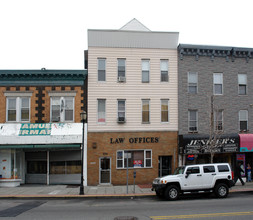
(237, 206)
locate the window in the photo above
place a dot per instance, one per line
(242, 83)
(134, 158)
(193, 120)
(18, 109)
(145, 111)
(243, 120)
(65, 167)
(193, 170)
(223, 168)
(101, 69)
(101, 110)
(164, 110)
(121, 70)
(209, 169)
(192, 82)
(121, 110)
(62, 109)
(217, 83)
(218, 120)
(145, 71)
(164, 66)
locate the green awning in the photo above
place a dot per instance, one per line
(40, 146)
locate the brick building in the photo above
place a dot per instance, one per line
(132, 96)
(215, 80)
(40, 129)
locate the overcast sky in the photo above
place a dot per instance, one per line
(53, 33)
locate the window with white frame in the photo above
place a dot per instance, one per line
(101, 69)
(121, 70)
(145, 71)
(134, 158)
(145, 111)
(164, 67)
(193, 120)
(121, 110)
(18, 109)
(62, 109)
(242, 84)
(217, 83)
(243, 120)
(192, 82)
(165, 110)
(218, 120)
(101, 111)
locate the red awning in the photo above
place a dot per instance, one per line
(246, 142)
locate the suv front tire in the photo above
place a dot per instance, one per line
(172, 192)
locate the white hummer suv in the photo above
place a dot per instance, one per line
(197, 178)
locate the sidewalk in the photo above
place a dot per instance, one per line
(70, 191)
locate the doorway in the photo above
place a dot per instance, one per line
(164, 165)
(105, 170)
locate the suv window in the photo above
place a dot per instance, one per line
(193, 169)
(209, 169)
(223, 168)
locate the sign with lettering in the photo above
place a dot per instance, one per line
(135, 140)
(30, 129)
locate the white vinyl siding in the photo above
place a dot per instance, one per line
(133, 90)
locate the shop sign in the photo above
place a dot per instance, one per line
(200, 145)
(135, 140)
(30, 129)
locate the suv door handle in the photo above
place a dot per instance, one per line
(213, 174)
(199, 175)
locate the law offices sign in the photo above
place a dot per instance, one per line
(198, 144)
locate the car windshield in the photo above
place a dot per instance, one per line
(179, 170)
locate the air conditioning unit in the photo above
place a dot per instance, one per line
(121, 119)
(122, 79)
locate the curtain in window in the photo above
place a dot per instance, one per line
(101, 110)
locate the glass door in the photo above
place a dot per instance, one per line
(164, 166)
(105, 170)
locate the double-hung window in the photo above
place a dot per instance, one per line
(243, 120)
(218, 120)
(18, 107)
(242, 84)
(192, 82)
(101, 111)
(145, 70)
(145, 111)
(134, 158)
(121, 70)
(193, 120)
(101, 69)
(121, 110)
(62, 109)
(217, 83)
(164, 67)
(164, 110)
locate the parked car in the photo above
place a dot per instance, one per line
(197, 178)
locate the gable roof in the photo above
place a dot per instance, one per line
(134, 25)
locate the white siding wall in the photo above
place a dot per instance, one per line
(133, 90)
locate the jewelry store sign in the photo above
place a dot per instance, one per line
(30, 129)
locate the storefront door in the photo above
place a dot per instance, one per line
(164, 166)
(105, 170)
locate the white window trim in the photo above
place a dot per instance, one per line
(62, 94)
(123, 159)
(97, 112)
(196, 121)
(118, 107)
(144, 70)
(246, 91)
(197, 84)
(100, 58)
(218, 84)
(18, 96)
(246, 119)
(161, 71)
(62, 97)
(118, 67)
(168, 102)
(148, 111)
(222, 120)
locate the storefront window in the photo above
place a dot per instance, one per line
(134, 159)
(65, 167)
(36, 167)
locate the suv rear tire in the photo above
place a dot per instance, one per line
(221, 190)
(172, 192)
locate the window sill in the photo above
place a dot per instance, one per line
(133, 168)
